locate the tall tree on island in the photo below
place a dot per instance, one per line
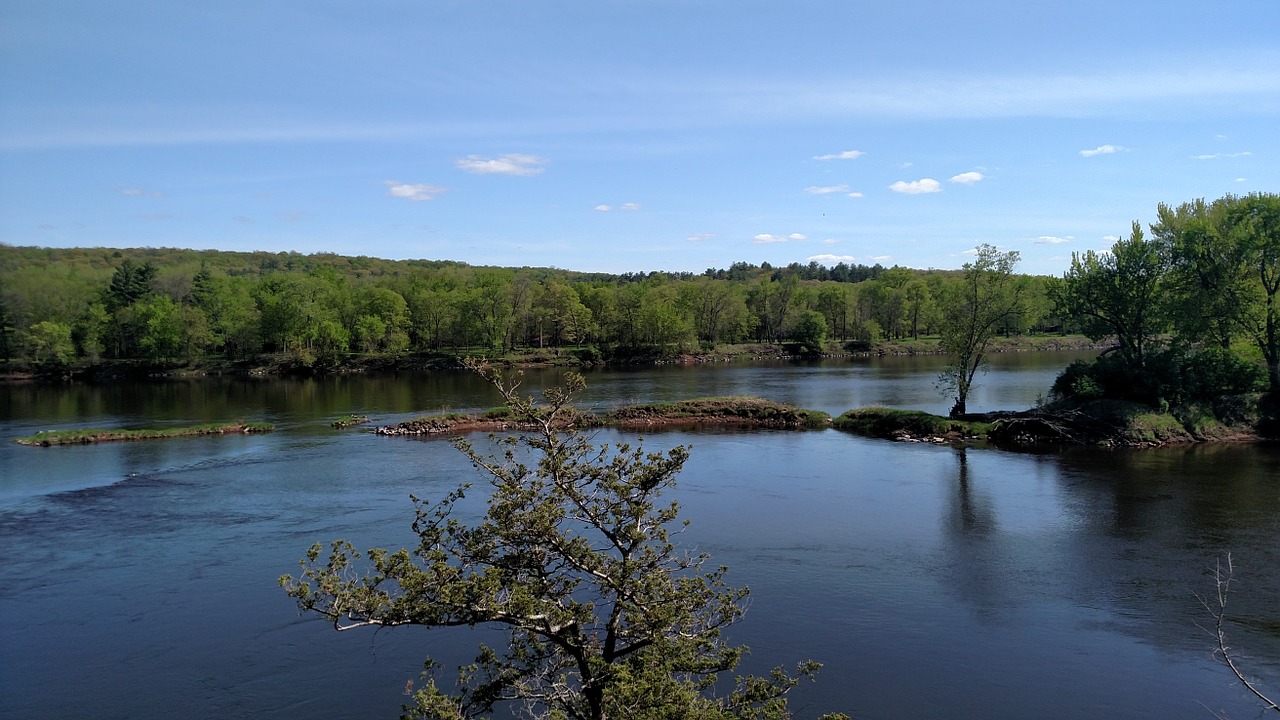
(974, 309)
(1119, 294)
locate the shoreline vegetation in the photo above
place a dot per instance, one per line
(1104, 423)
(85, 436)
(281, 365)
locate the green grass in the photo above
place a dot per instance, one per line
(745, 409)
(349, 420)
(95, 435)
(882, 422)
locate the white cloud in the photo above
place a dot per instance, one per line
(1052, 240)
(1111, 238)
(700, 237)
(1242, 179)
(846, 155)
(763, 238)
(967, 178)
(905, 165)
(1215, 156)
(881, 258)
(831, 241)
(416, 192)
(855, 194)
(1104, 150)
(917, 187)
(603, 208)
(826, 189)
(508, 164)
(830, 260)
(630, 206)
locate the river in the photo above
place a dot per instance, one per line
(138, 579)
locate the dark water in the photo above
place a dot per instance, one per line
(138, 579)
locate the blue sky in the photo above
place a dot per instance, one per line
(624, 136)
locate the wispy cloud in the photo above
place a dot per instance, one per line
(624, 206)
(1104, 150)
(764, 238)
(855, 194)
(1052, 240)
(416, 192)
(603, 208)
(917, 187)
(508, 164)
(826, 189)
(845, 155)
(967, 178)
(1215, 156)
(701, 237)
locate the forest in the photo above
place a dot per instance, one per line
(79, 306)
(1190, 305)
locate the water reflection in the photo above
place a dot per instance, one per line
(934, 582)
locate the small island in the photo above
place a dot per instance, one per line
(737, 411)
(85, 436)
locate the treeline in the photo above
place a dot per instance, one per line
(63, 306)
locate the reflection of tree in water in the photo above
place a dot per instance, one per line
(976, 562)
(1151, 523)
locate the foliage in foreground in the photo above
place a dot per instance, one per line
(606, 616)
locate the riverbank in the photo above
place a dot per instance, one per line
(284, 365)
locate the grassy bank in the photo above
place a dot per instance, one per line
(738, 411)
(96, 435)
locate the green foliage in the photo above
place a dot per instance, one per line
(888, 423)
(49, 343)
(605, 615)
(1120, 294)
(1170, 378)
(312, 311)
(746, 409)
(1225, 257)
(810, 331)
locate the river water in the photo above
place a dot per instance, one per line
(138, 579)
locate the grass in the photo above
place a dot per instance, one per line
(879, 422)
(349, 420)
(95, 435)
(745, 409)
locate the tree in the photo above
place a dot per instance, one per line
(975, 308)
(811, 331)
(1226, 256)
(49, 343)
(1119, 294)
(606, 616)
